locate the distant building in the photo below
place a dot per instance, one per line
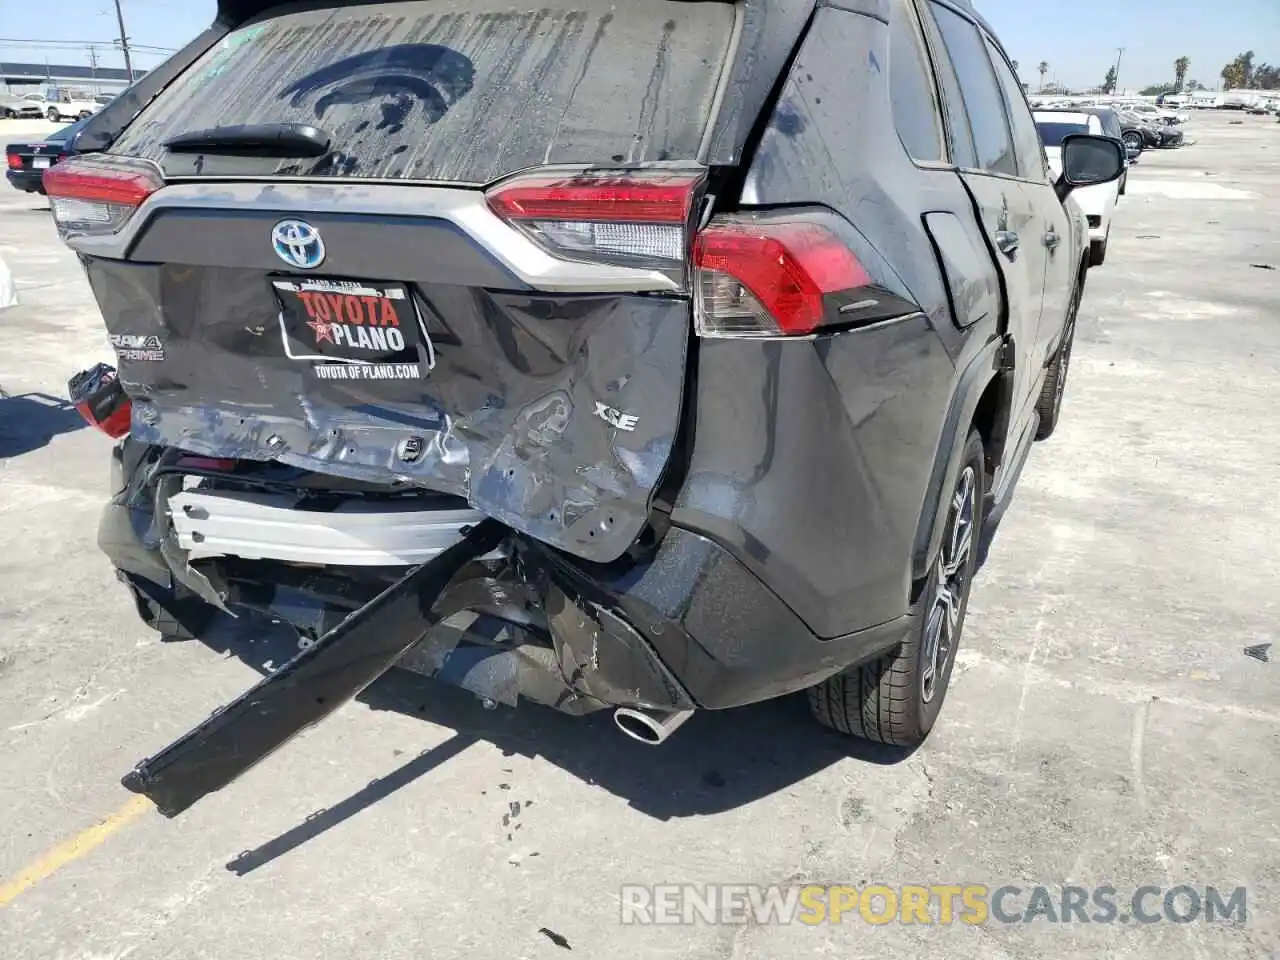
(23, 78)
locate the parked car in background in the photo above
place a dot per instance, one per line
(68, 106)
(1098, 202)
(1157, 114)
(497, 377)
(1140, 131)
(13, 107)
(26, 163)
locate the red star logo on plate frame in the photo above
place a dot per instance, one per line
(324, 331)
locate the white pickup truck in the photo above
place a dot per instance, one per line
(69, 107)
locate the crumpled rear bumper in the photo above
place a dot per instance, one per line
(683, 626)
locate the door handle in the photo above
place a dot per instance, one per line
(1007, 242)
(1051, 239)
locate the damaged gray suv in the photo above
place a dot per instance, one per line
(651, 356)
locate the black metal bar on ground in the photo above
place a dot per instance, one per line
(309, 687)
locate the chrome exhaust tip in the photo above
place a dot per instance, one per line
(650, 726)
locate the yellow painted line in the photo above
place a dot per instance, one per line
(71, 850)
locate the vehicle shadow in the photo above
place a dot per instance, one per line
(30, 420)
(718, 761)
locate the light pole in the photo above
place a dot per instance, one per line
(124, 42)
(1119, 57)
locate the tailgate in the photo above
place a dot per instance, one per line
(415, 354)
(368, 313)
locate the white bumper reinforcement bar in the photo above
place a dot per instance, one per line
(267, 526)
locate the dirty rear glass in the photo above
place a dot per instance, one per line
(452, 90)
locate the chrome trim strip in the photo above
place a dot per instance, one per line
(465, 209)
(784, 338)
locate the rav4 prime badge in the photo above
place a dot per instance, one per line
(132, 346)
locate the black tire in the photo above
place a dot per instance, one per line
(9, 114)
(1098, 252)
(175, 618)
(897, 699)
(1049, 406)
(52, 115)
(1135, 139)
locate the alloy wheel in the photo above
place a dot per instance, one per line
(942, 628)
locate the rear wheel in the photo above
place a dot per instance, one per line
(174, 617)
(1049, 406)
(1134, 139)
(897, 699)
(52, 115)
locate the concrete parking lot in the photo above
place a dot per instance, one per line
(1106, 725)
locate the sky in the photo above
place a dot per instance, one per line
(1078, 38)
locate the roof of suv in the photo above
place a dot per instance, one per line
(1062, 116)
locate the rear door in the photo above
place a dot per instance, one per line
(1050, 227)
(1006, 206)
(441, 297)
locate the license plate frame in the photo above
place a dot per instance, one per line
(352, 329)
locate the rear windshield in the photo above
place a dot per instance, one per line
(452, 90)
(1052, 133)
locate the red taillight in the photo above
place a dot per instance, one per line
(13, 160)
(768, 279)
(629, 218)
(98, 396)
(98, 194)
(627, 197)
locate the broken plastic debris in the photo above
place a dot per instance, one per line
(555, 938)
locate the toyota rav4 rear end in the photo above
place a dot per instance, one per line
(377, 274)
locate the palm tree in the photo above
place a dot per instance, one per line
(1044, 69)
(1180, 68)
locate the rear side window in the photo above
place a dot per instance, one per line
(982, 98)
(452, 90)
(1026, 141)
(1053, 133)
(915, 102)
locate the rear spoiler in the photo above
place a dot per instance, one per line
(765, 38)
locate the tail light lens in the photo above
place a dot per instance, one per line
(13, 161)
(628, 218)
(101, 400)
(93, 195)
(772, 278)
